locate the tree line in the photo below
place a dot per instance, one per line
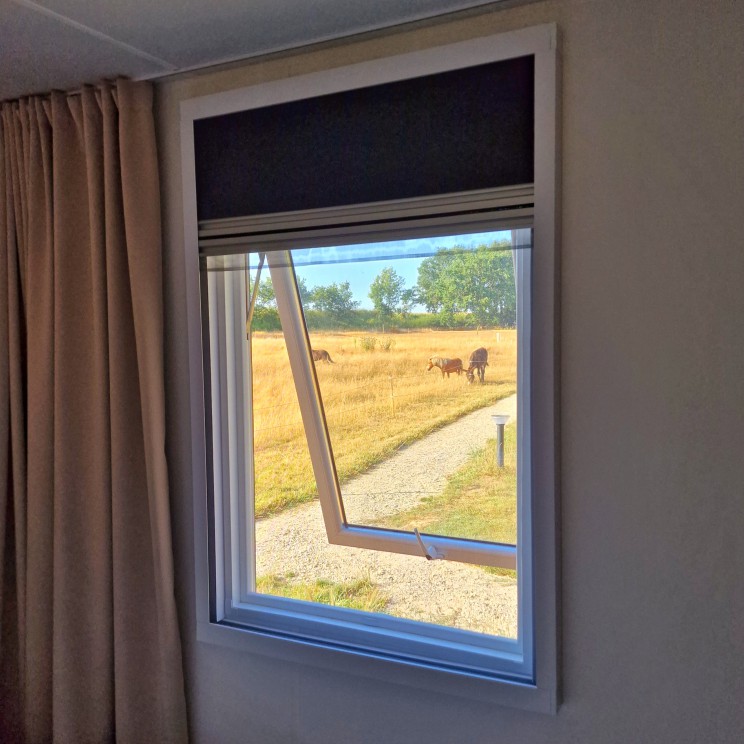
(458, 288)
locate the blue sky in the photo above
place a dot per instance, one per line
(342, 263)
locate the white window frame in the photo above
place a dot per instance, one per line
(229, 363)
(522, 673)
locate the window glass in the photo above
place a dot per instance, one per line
(414, 347)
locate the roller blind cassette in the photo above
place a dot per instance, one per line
(457, 131)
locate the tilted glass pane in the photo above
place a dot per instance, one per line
(416, 352)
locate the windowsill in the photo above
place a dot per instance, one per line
(456, 683)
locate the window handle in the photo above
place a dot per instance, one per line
(430, 553)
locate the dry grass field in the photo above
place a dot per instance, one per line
(377, 397)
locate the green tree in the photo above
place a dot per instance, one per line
(387, 294)
(479, 282)
(266, 296)
(265, 314)
(337, 299)
(408, 298)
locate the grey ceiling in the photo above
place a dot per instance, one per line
(65, 43)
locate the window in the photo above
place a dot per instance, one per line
(331, 338)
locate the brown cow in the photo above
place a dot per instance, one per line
(321, 355)
(445, 365)
(477, 363)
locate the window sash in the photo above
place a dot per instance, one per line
(338, 531)
(234, 538)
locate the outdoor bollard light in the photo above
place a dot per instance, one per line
(500, 421)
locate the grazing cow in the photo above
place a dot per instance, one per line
(445, 365)
(477, 363)
(321, 355)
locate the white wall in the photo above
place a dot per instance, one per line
(652, 350)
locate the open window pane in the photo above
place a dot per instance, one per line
(416, 351)
(475, 277)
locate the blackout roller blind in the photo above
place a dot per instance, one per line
(455, 131)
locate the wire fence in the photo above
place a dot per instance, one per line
(388, 396)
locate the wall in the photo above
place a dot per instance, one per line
(652, 398)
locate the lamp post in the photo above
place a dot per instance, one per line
(500, 419)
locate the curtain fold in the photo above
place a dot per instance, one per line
(89, 644)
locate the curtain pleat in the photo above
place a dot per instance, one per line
(40, 422)
(94, 637)
(12, 575)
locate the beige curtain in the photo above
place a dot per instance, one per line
(89, 642)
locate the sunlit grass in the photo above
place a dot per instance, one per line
(377, 397)
(361, 594)
(479, 501)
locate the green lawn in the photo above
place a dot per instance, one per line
(479, 501)
(361, 594)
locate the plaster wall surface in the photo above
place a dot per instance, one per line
(652, 398)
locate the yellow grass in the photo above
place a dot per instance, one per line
(375, 401)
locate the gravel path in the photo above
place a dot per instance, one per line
(435, 591)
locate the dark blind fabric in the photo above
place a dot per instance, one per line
(455, 131)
